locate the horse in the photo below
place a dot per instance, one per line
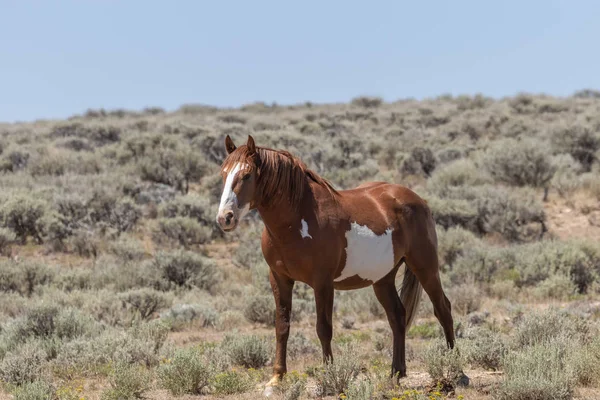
(334, 240)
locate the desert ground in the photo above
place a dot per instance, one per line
(116, 283)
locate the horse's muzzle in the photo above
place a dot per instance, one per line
(227, 220)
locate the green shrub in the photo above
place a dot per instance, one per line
(230, 319)
(232, 382)
(516, 215)
(335, 377)
(260, 309)
(420, 161)
(539, 261)
(559, 287)
(300, 345)
(23, 365)
(548, 326)
(250, 351)
(426, 330)
(71, 323)
(173, 167)
(85, 244)
(465, 298)
(453, 213)
(127, 382)
(145, 301)
(7, 237)
(485, 348)
(128, 248)
(248, 253)
(292, 386)
(591, 182)
(140, 344)
(100, 134)
(579, 140)
(184, 314)
(459, 173)
(184, 231)
(188, 371)
(566, 179)
(108, 212)
(40, 321)
(191, 206)
(367, 102)
(37, 390)
(537, 372)
(14, 161)
(362, 389)
(23, 215)
(443, 363)
(452, 243)
(50, 162)
(585, 363)
(520, 162)
(187, 269)
(24, 277)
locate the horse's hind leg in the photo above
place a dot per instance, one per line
(423, 262)
(386, 293)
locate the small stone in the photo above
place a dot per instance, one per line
(463, 380)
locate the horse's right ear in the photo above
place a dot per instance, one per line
(229, 145)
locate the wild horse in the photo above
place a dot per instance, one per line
(334, 239)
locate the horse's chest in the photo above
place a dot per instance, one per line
(368, 255)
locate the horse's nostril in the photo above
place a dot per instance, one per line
(228, 217)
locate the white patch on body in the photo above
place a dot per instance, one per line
(229, 200)
(304, 231)
(367, 255)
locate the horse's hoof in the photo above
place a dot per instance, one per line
(268, 391)
(269, 387)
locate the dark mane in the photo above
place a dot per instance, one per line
(281, 174)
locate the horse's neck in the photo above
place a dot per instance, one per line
(281, 218)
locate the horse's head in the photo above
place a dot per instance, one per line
(239, 172)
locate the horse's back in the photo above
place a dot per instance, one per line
(384, 205)
(381, 192)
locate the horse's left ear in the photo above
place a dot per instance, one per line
(229, 145)
(251, 146)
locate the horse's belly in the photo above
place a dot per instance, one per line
(369, 256)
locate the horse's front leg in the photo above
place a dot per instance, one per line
(282, 291)
(324, 302)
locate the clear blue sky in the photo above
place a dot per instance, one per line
(59, 58)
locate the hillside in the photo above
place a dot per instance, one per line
(114, 278)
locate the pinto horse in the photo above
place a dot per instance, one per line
(334, 240)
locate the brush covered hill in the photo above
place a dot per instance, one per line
(114, 276)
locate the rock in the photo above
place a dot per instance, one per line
(463, 380)
(477, 318)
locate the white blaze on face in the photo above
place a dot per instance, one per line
(229, 201)
(304, 230)
(369, 256)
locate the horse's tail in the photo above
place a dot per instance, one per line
(410, 295)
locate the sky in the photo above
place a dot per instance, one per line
(59, 58)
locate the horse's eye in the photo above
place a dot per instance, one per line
(245, 177)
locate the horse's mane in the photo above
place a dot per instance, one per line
(282, 176)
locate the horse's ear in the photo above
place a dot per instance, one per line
(229, 145)
(251, 146)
